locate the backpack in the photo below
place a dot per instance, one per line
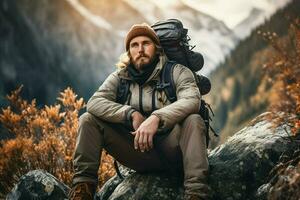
(175, 42)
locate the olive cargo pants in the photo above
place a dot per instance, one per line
(184, 146)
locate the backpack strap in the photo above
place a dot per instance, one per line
(123, 91)
(167, 84)
(166, 81)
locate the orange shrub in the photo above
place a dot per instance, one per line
(284, 72)
(43, 139)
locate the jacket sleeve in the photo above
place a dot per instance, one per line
(103, 102)
(188, 99)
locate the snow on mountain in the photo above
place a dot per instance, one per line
(96, 20)
(243, 29)
(260, 11)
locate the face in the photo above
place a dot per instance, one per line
(142, 51)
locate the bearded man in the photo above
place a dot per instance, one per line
(147, 127)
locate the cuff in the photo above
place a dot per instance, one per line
(128, 120)
(161, 127)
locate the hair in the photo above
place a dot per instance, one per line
(124, 59)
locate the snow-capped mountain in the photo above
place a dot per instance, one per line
(243, 29)
(258, 14)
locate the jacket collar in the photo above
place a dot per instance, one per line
(123, 72)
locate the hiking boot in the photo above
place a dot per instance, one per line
(83, 191)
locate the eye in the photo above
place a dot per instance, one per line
(133, 45)
(147, 43)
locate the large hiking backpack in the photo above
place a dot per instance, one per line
(175, 42)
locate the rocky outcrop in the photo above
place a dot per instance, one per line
(38, 184)
(243, 163)
(238, 168)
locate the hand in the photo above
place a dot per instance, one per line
(137, 119)
(143, 139)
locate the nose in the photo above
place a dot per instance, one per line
(141, 48)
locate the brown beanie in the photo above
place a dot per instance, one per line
(140, 30)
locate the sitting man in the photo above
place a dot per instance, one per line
(147, 130)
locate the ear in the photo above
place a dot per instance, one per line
(128, 54)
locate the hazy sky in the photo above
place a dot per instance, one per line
(231, 12)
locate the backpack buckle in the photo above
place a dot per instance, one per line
(161, 86)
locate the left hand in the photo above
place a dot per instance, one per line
(143, 139)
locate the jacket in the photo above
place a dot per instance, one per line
(103, 102)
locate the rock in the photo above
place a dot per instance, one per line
(38, 184)
(148, 187)
(112, 183)
(284, 181)
(242, 164)
(262, 191)
(237, 170)
(238, 167)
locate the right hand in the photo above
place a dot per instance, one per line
(137, 119)
(143, 136)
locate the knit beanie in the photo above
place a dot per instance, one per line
(141, 30)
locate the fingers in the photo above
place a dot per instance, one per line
(150, 141)
(136, 140)
(139, 141)
(145, 142)
(142, 142)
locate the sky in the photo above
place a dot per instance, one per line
(232, 12)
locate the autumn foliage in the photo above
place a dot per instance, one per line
(42, 139)
(283, 71)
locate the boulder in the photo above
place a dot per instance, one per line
(242, 164)
(39, 184)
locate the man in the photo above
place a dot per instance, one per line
(147, 131)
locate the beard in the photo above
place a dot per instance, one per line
(142, 61)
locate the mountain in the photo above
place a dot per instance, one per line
(49, 45)
(260, 11)
(240, 89)
(243, 29)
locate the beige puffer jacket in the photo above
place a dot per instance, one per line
(103, 103)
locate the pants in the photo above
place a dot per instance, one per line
(184, 146)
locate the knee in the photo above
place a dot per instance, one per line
(194, 120)
(86, 118)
